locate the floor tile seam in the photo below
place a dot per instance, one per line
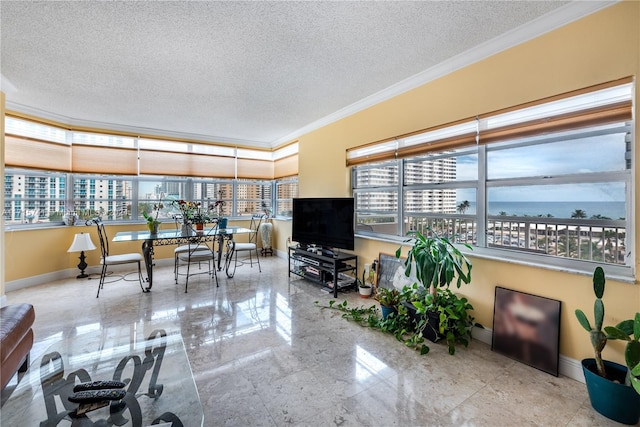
(467, 399)
(264, 404)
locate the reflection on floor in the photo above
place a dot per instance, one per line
(263, 355)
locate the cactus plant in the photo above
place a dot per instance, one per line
(597, 335)
(628, 330)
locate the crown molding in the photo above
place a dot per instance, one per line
(551, 21)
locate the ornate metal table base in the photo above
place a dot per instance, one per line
(55, 384)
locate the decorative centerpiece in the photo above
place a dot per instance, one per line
(152, 221)
(187, 211)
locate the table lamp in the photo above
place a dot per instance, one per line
(81, 242)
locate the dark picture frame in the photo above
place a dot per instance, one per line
(526, 328)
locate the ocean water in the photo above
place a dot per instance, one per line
(613, 210)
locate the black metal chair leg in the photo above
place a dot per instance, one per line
(101, 281)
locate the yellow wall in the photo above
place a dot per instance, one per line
(34, 252)
(596, 49)
(599, 48)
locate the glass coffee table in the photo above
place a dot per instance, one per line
(159, 384)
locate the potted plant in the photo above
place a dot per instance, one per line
(389, 300)
(152, 221)
(437, 263)
(200, 218)
(364, 289)
(608, 393)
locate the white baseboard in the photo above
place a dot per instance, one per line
(567, 366)
(482, 335)
(27, 282)
(72, 272)
(571, 368)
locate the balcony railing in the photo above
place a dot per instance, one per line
(595, 240)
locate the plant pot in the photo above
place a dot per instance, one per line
(199, 226)
(365, 292)
(615, 401)
(430, 331)
(153, 227)
(387, 310)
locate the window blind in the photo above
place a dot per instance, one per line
(104, 160)
(186, 164)
(254, 168)
(36, 154)
(601, 104)
(286, 166)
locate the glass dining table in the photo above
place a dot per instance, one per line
(222, 236)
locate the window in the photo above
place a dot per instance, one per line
(207, 193)
(120, 177)
(253, 197)
(32, 197)
(376, 193)
(286, 191)
(109, 197)
(551, 183)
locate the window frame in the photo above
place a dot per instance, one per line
(609, 119)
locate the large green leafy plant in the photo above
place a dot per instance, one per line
(437, 261)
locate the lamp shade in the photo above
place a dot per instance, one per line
(81, 242)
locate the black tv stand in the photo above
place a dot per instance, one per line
(327, 270)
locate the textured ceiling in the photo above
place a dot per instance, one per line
(250, 73)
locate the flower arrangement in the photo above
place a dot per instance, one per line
(187, 209)
(192, 211)
(152, 221)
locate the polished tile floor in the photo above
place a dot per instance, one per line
(263, 354)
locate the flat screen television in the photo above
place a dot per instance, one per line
(326, 222)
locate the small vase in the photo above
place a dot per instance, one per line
(199, 226)
(153, 227)
(222, 223)
(185, 230)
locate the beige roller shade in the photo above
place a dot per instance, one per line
(286, 166)
(603, 115)
(255, 169)
(186, 164)
(107, 160)
(36, 154)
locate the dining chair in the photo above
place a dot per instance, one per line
(197, 252)
(251, 246)
(183, 249)
(109, 260)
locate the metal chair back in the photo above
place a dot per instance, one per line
(102, 235)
